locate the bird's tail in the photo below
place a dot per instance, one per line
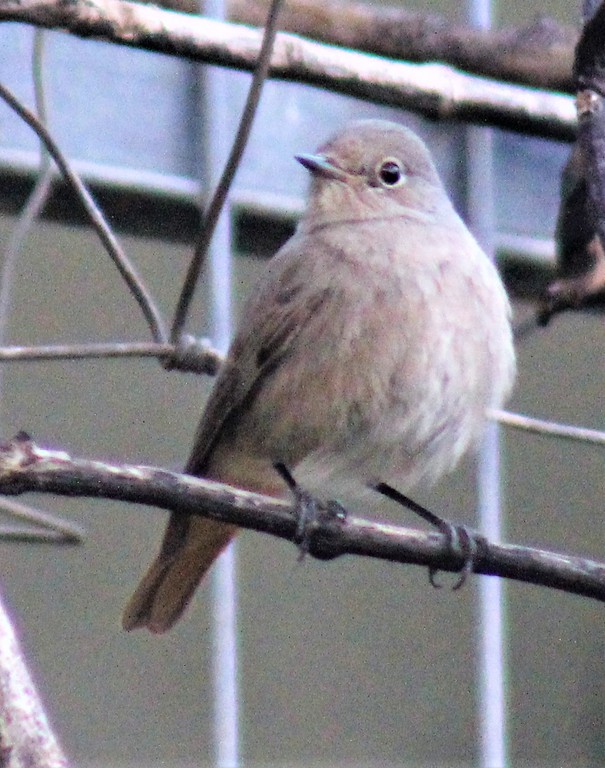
(191, 545)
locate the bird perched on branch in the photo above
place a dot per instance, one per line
(375, 342)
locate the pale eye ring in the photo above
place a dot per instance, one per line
(390, 172)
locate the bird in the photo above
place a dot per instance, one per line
(376, 340)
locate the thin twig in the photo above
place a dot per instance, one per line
(78, 351)
(25, 534)
(24, 467)
(57, 530)
(548, 428)
(191, 355)
(220, 194)
(111, 244)
(203, 358)
(434, 90)
(36, 200)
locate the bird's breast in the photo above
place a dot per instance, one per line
(393, 373)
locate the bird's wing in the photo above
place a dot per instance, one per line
(270, 325)
(271, 321)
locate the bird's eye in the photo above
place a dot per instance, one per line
(390, 173)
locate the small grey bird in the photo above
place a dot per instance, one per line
(376, 340)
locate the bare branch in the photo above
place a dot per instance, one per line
(25, 534)
(198, 356)
(580, 231)
(103, 230)
(191, 355)
(434, 90)
(548, 428)
(37, 198)
(540, 55)
(26, 467)
(26, 740)
(49, 528)
(217, 202)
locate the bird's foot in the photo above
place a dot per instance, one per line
(310, 512)
(461, 540)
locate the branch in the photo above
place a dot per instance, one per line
(108, 239)
(580, 235)
(548, 428)
(193, 355)
(26, 740)
(219, 196)
(41, 527)
(539, 55)
(24, 467)
(190, 354)
(434, 90)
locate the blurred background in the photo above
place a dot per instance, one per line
(353, 662)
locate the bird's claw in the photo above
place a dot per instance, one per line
(309, 511)
(461, 542)
(306, 516)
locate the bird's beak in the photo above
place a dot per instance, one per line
(321, 166)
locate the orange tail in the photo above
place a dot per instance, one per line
(190, 546)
